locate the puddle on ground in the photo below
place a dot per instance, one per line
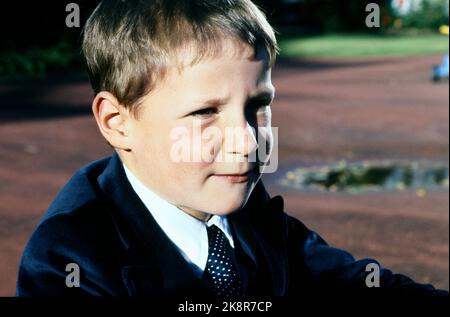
(356, 177)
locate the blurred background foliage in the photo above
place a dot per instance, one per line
(431, 14)
(323, 16)
(36, 40)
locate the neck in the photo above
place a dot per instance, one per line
(202, 216)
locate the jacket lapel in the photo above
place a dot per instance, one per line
(155, 264)
(253, 226)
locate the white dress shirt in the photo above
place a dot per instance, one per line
(186, 232)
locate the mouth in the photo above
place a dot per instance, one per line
(236, 177)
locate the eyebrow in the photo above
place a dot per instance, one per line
(266, 95)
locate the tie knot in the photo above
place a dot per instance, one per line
(214, 231)
(213, 228)
(216, 237)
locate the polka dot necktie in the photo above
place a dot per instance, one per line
(222, 273)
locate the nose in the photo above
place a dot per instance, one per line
(241, 139)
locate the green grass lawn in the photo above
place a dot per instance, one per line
(349, 45)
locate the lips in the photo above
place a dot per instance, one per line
(235, 174)
(235, 178)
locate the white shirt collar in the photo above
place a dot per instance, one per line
(186, 232)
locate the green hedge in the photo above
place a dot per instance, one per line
(431, 15)
(38, 61)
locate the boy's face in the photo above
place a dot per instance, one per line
(195, 130)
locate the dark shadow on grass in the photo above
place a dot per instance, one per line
(22, 104)
(33, 99)
(61, 76)
(26, 112)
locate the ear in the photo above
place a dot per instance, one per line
(111, 119)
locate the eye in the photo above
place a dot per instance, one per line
(205, 112)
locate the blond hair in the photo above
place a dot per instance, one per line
(128, 44)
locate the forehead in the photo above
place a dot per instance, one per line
(193, 53)
(233, 64)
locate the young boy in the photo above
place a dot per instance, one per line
(179, 208)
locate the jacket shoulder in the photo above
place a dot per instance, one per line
(77, 228)
(79, 192)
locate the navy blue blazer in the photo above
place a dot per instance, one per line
(98, 222)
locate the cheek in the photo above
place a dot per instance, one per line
(186, 173)
(194, 144)
(211, 144)
(179, 153)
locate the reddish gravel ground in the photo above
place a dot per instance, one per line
(326, 110)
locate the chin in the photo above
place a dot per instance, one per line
(228, 205)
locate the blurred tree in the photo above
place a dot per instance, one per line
(321, 15)
(35, 38)
(430, 14)
(38, 23)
